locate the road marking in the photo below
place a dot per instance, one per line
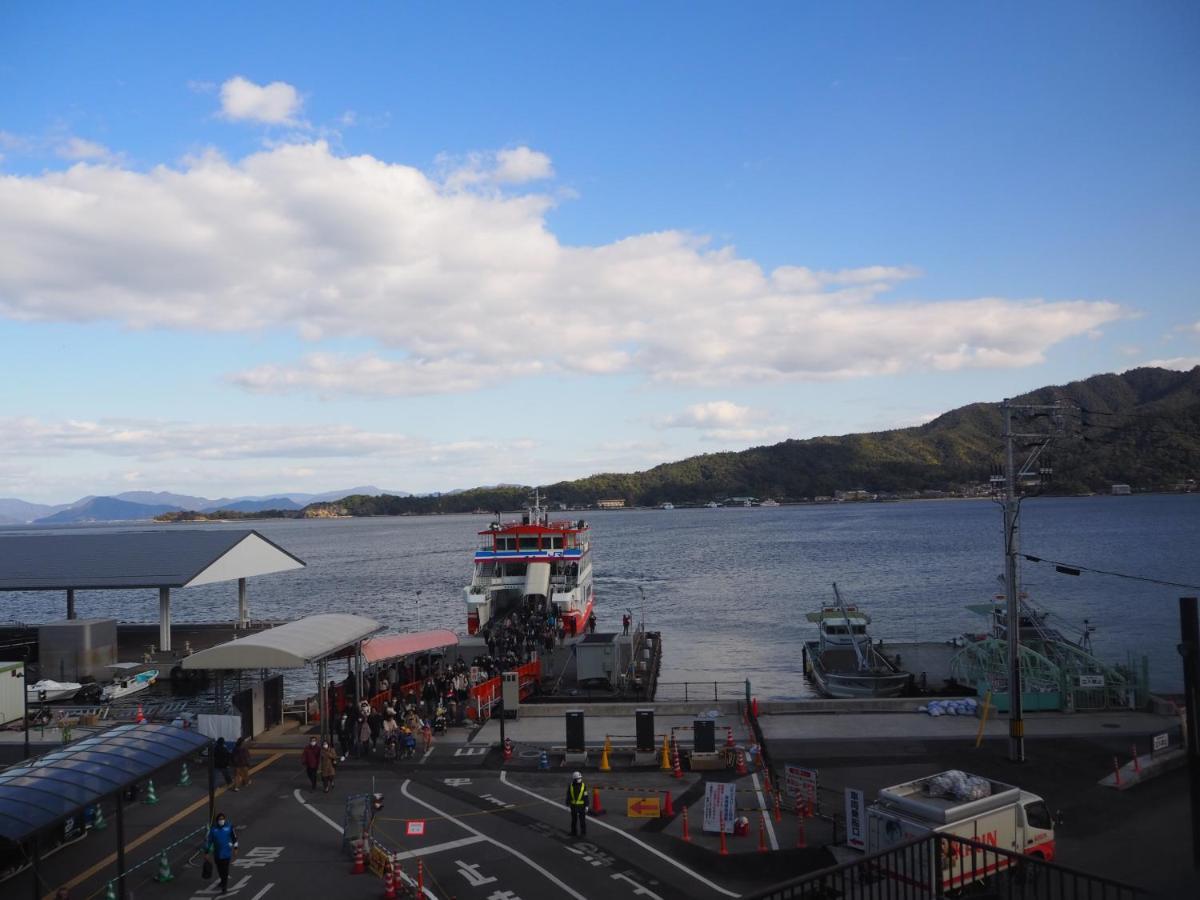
(428, 753)
(437, 848)
(472, 751)
(263, 892)
(316, 812)
(637, 888)
(156, 830)
(456, 782)
(471, 872)
(491, 840)
(716, 887)
(338, 828)
(766, 817)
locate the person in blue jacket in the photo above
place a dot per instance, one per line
(223, 845)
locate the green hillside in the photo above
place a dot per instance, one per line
(1141, 427)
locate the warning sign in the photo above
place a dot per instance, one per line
(377, 862)
(414, 828)
(642, 807)
(719, 806)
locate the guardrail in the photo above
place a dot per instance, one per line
(941, 865)
(687, 691)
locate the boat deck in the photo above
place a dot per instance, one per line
(930, 659)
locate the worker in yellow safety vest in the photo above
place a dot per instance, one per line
(577, 799)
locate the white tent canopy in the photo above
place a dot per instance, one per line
(289, 646)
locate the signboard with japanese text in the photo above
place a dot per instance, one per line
(414, 828)
(1161, 742)
(720, 805)
(800, 785)
(856, 819)
(1091, 681)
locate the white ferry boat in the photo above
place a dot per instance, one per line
(532, 562)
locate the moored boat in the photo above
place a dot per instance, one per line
(533, 562)
(843, 663)
(127, 682)
(47, 690)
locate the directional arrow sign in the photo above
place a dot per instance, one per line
(642, 807)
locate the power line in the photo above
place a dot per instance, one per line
(1074, 569)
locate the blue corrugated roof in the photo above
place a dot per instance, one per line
(120, 559)
(37, 795)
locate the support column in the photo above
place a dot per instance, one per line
(164, 619)
(70, 603)
(121, 893)
(243, 613)
(322, 698)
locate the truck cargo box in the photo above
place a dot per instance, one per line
(913, 798)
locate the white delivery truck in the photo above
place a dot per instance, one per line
(968, 806)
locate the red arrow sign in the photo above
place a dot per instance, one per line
(642, 807)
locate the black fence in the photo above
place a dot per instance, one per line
(939, 865)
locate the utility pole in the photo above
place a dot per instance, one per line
(1011, 503)
(1189, 649)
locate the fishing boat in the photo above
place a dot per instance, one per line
(532, 563)
(127, 682)
(47, 691)
(842, 662)
(769, 503)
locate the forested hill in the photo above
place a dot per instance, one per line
(1141, 427)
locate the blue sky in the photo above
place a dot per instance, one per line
(252, 248)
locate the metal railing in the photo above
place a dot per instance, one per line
(940, 865)
(688, 691)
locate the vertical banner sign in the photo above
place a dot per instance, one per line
(856, 817)
(719, 806)
(800, 784)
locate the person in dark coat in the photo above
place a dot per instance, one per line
(222, 843)
(375, 723)
(310, 758)
(429, 694)
(221, 760)
(241, 764)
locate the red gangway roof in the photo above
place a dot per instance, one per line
(391, 646)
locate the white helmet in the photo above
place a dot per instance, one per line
(576, 776)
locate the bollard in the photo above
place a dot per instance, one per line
(544, 762)
(359, 862)
(678, 770)
(778, 809)
(164, 869)
(420, 878)
(687, 835)
(1116, 772)
(151, 796)
(741, 762)
(185, 778)
(141, 716)
(389, 882)
(724, 849)
(1137, 763)
(762, 832)
(508, 749)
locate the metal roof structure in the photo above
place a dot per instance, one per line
(289, 646)
(37, 795)
(393, 646)
(164, 558)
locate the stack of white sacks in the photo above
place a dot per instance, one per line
(962, 706)
(958, 785)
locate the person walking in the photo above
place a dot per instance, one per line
(364, 736)
(329, 760)
(241, 764)
(311, 760)
(426, 736)
(222, 844)
(221, 760)
(577, 800)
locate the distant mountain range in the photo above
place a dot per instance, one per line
(1141, 427)
(133, 506)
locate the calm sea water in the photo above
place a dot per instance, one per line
(729, 587)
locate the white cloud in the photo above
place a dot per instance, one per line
(77, 148)
(716, 413)
(518, 165)
(1178, 363)
(455, 279)
(277, 103)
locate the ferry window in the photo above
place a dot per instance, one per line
(860, 629)
(506, 543)
(835, 629)
(554, 543)
(570, 542)
(487, 570)
(529, 543)
(1037, 816)
(515, 570)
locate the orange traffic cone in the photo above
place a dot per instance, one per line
(666, 756)
(678, 773)
(1137, 763)
(1116, 772)
(687, 835)
(389, 883)
(141, 716)
(762, 832)
(724, 848)
(359, 862)
(668, 809)
(741, 762)
(597, 809)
